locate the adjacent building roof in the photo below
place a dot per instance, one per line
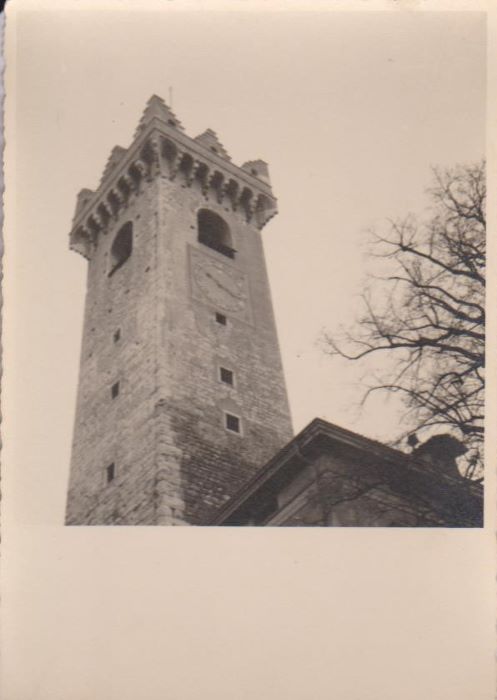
(401, 470)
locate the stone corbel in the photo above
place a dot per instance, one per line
(186, 167)
(246, 202)
(265, 210)
(125, 186)
(192, 173)
(175, 164)
(201, 173)
(104, 212)
(155, 156)
(217, 184)
(113, 203)
(94, 223)
(82, 241)
(140, 167)
(251, 206)
(115, 199)
(231, 190)
(137, 171)
(205, 183)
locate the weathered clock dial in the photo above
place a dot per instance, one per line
(218, 284)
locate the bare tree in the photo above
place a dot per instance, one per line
(428, 311)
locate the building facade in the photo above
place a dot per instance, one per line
(332, 477)
(181, 392)
(182, 416)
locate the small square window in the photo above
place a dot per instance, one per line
(117, 335)
(115, 390)
(221, 318)
(110, 472)
(226, 376)
(232, 423)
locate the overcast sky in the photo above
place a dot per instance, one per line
(350, 110)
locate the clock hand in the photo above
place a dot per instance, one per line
(221, 286)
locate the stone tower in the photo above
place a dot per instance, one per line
(181, 395)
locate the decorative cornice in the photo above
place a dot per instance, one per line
(162, 149)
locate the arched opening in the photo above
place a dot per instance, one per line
(214, 232)
(122, 247)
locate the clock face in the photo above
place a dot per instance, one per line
(221, 286)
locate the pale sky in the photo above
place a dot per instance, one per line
(350, 110)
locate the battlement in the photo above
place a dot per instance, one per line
(160, 148)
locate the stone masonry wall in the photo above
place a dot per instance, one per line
(214, 462)
(120, 430)
(175, 462)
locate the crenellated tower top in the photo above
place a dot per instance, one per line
(161, 148)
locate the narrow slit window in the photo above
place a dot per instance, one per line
(115, 390)
(226, 376)
(221, 319)
(232, 423)
(117, 335)
(110, 472)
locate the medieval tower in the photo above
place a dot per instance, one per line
(181, 395)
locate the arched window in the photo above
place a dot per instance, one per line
(213, 231)
(121, 248)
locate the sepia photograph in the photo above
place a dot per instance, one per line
(183, 409)
(244, 285)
